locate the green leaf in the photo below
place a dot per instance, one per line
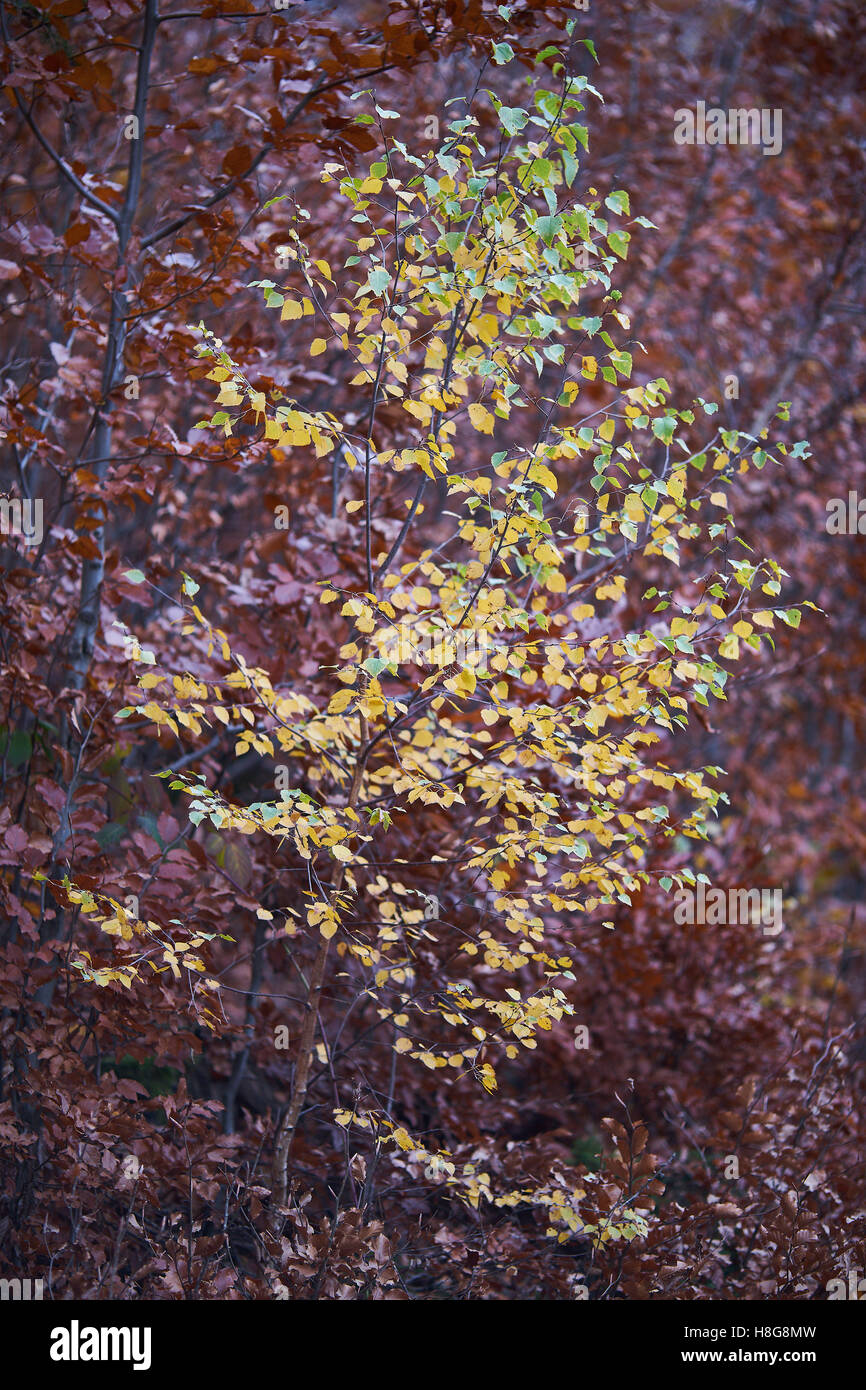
(663, 428)
(375, 664)
(149, 821)
(618, 243)
(513, 118)
(111, 834)
(379, 280)
(547, 227)
(135, 576)
(17, 749)
(618, 202)
(502, 53)
(622, 361)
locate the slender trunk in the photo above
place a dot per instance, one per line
(240, 1062)
(306, 1044)
(83, 637)
(93, 569)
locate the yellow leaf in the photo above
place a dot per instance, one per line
(540, 473)
(420, 410)
(317, 347)
(676, 485)
(481, 419)
(488, 1077)
(340, 701)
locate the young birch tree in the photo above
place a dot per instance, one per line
(487, 668)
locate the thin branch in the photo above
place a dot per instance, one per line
(64, 168)
(217, 197)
